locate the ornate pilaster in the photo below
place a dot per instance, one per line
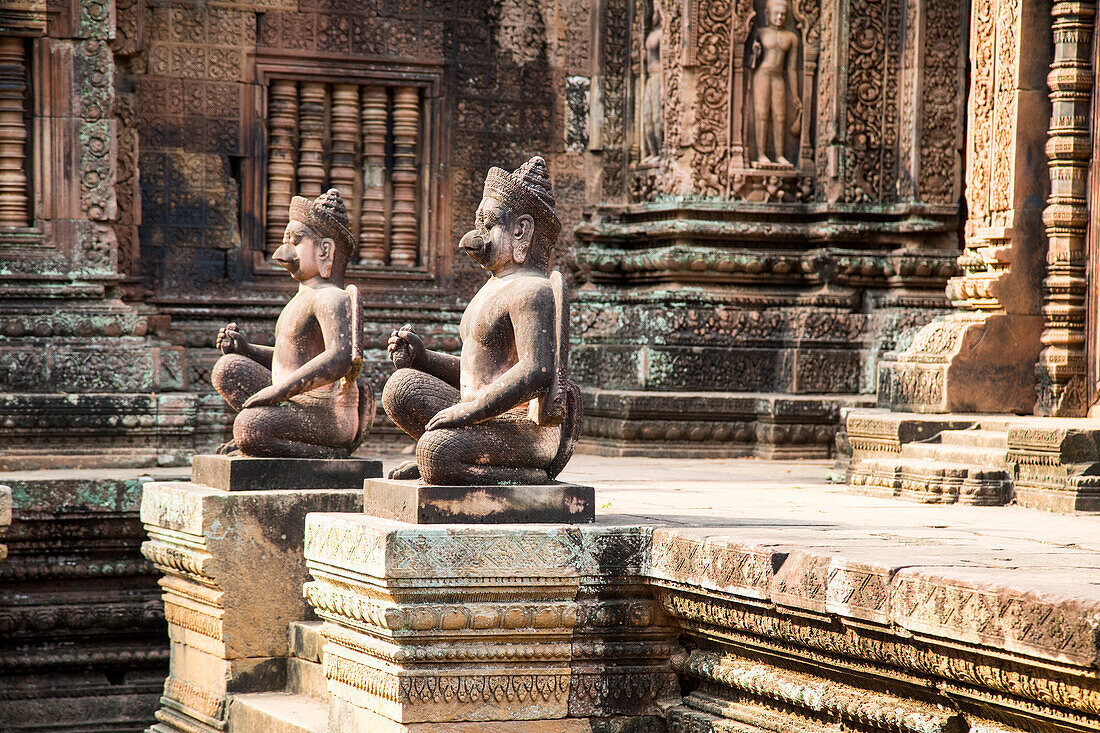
(14, 209)
(981, 358)
(1061, 368)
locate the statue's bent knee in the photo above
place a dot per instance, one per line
(399, 388)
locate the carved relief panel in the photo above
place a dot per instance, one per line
(856, 101)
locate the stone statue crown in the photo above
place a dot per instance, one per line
(327, 216)
(528, 190)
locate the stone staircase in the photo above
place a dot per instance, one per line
(302, 707)
(968, 466)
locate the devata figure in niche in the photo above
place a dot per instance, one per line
(774, 60)
(503, 412)
(652, 92)
(304, 397)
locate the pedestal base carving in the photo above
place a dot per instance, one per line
(965, 362)
(487, 624)
(234, 570)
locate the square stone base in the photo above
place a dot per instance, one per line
(416, 503)
(242, 473)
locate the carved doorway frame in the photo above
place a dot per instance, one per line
(1092, 244)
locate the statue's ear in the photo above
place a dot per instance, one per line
(326, 252)
(523, 230)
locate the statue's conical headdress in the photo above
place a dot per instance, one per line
(327, 216)
(527, 191)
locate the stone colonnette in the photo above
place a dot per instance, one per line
(233, 574)
(5, 516)
(487, 626)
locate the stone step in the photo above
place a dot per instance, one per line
(306, 641)
(976, 438)
(277, 712)
(306, 678)
(963, 455)
(934, 482)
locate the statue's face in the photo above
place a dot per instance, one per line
(498, 238)
(304, 254)
(777, 14)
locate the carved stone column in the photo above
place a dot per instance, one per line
(1061, 368)
(372, 217)
(518, 627)
(344, 130)
(282, 146)
(14, 210)
(981, 358)
(233, 574)
(311, 142)
(406, 130)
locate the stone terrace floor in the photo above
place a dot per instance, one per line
(791, 504)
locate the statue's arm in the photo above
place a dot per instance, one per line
(231, 340)
(447, 367)
(532, 375)
(333, 313)
(262, 355)
(407, 350)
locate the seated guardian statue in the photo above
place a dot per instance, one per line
(503, 412)
(304, 397)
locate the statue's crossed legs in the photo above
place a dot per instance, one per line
(509, 448)
(317, 424)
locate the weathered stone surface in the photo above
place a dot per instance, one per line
(711, 424)
(241, 473)
(82, 633)
(216, 548)
(417, 503)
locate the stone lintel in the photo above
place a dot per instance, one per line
(244, 473)
(416, 503)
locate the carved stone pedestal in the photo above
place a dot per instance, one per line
(233, 574)
(965, 362)
(416, 503)
(491, 627)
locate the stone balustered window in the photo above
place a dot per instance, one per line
(367, 139)
(15, 199)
